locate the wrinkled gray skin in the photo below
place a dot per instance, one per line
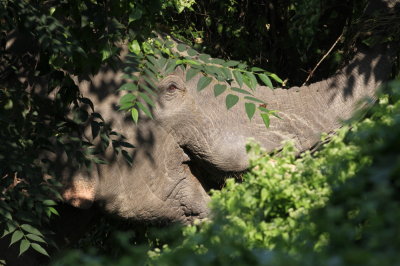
(196, 128)
(202, 126)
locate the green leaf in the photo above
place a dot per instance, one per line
(276, 78)
(35, 238)
(171, 64)
(204, 57)
(126, 106)
(49, 202)
(127, 98)
(16, 236)
(263, 109)
(254, 99)
(39, 249)
(241, 90)
(136, 14)
(144, 109)
(30, 229)
(181, 47)
(264, 78)
(147, 99)
(257, 69)
(134, 47)
(154, 62)
(250, 109)
(231, 100)
(219, 89)
(265, 118)
(203, 82)
(23, 246)
(192, 52)
(128, 87)
(217, 61)
(274, 113)
(251, 80)
(239, 78)
(231, 63)
(148, 90)
(227, 73)
(191, 73)
(135, 115)
(52, 210)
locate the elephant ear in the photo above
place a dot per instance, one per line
(80, 192)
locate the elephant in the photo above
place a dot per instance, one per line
(194, 142)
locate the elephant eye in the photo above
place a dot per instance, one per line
(172, 88)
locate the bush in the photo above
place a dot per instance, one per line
(338, 206)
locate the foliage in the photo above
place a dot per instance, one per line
(338, 206)
(42, 111)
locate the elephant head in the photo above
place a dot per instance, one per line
(215, 137)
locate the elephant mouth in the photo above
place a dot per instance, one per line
(209, 176)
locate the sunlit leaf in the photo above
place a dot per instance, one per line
(204, 57)
(128, 87)
(16, 236)
(126, 105)
(219, 89)
(217, 61)
(257, 69)
(49, 203)
(265, 118)
(171, 64)
(241, 91)
(203, 82)
(250, 109)
(276, 78)
(134, 47)
(231, 100)
(181, 47)
(238, 77)
(127, 98)
(250, 80)
(254, 99)
(30, 229)
(35, 238)
(264, 78)
(39, 249)
(191, 73)
(192, 52)
(25, 244)
(231, 63)
(135, 115)
(227, 73)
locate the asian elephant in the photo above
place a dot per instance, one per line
(194, 141)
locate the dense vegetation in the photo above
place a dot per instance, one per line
(340, 201)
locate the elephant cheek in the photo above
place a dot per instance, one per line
(229, 154)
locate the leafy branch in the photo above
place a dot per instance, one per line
(157, 58)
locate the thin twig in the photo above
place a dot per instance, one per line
(323, 58)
